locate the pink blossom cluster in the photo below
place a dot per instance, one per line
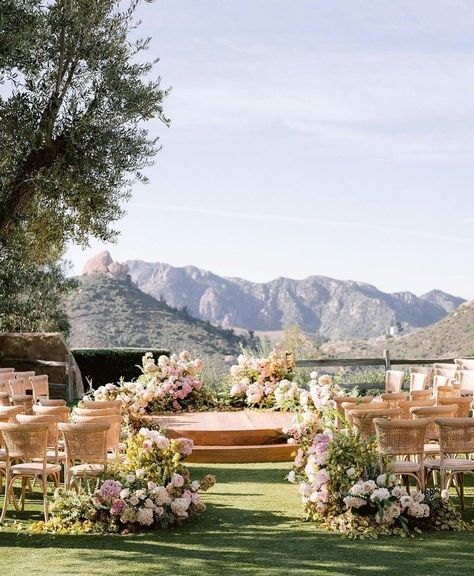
(386, 499)
(264, 381)
(309, 464)
(167, 384)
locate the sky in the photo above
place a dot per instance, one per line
(310, 137)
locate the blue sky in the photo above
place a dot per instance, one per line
(311, 137)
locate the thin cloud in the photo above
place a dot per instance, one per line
(275, 218)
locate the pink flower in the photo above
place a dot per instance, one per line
(117, 507)
(177, 480)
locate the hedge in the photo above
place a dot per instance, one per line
(104, 365)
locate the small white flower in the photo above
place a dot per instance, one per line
(350, 471)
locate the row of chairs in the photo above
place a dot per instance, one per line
(15, 388)
(410, 432)
(37, 445)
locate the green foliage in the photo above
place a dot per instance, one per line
(31, 295)
(104, 365)
(75, 93)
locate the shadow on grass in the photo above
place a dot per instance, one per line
(234, 541)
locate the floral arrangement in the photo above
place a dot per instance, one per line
(264, 382)
(320, 396)
(170, 384)
(152, 488)
(343, 487)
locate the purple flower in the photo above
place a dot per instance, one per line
(110, 489)
(117, 507)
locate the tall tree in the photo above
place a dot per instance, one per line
(71, 125)
(75, 91)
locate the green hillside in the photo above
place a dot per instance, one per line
(109, 312)
(451, 337)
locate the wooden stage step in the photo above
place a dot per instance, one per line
(243, 454)
(238, 436)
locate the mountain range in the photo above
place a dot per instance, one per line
(322, 307)
(108, 310)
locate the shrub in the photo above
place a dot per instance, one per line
(104, 365)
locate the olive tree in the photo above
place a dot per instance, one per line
(76, 91)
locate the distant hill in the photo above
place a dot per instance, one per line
(108, 310)
(323, 307)
(453, 336)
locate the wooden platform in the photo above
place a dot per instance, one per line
(243, 436)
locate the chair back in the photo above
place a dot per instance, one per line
(466, 378)
(393, 398)
(17, 387)
(456, 435)
(394, 380)
(6, 370)
(62, 411)
(11, 412)
(401, 437)
(113, 433)
(463, 405)
(418, 381)
(406, 405)
(40, 386)
(347, 407)
(363, 420)
(464, 363)
(421, 394)
(86, 442)
(51, 402)
(51, 420)
(434, 412)
(446, 392)
(426, 370)
(26, 374)
(5, 377)
(355, 400)
(96, 412)
(103, 405)
(25, 441)
(441, 381)
(448, 372)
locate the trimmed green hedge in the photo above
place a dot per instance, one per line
(104, 365)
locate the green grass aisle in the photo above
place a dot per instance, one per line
(252, 526)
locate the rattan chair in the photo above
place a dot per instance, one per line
(27, 442)
(393, 398)
(340, 400)
(102, 405)
(463, 404)
(63, 411)
(456, 437)
(6, 370)
(432, 430)
(40, 387)
(421, 394)
(26, 375)
(403, 439)
(363, 420)
(11, 412)
(113, 434)
(348, 406)
(86, 443)
(53, 454)
(406, 405)
(394, 381)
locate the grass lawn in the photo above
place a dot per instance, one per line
(252, 526)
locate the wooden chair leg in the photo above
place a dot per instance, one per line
(8, 488)
(45, 497)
